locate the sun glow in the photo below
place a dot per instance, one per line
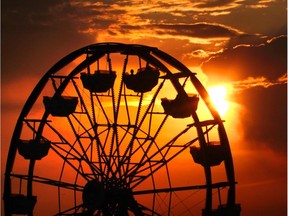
(218, 96)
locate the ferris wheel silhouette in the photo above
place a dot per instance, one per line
(107, 131)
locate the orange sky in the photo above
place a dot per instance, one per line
(241, 44)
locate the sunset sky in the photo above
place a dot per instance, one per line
(238, 44)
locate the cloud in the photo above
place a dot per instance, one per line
(259, 4)
(206, 34)
(220, 13)
(200, 30)
(251, 82)
(103, 15)
(265, 117)
(131, 20)
(267, 60)
(33, 40)
(217, 4)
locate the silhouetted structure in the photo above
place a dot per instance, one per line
(113, 142)
(60, 105)
(100, 81)
(33, 149)
(143, 81)
(181, 106)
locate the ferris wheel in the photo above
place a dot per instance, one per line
(119, 129)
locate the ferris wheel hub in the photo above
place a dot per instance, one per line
(93, 195)
(106, 195)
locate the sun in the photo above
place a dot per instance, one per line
(218, 96)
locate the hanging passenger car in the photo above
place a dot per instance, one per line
(60, 106)
(100, 81)
(143, 81)
(213, 155)
(20, 204)
(33, 149)
(180, 107)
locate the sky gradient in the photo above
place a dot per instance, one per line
(241, 44)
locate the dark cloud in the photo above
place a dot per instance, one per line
(265, 117)
(88, 15)
(32, 54)
(200, 54)
(32, 41)
(259, 4)
(267, 60)
(18, 14)
(166, 17)
(45, 15)
(201, 30)
(214, 3)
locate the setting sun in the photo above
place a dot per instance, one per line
(218, 96)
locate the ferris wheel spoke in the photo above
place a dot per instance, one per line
(50, 181)
(105, 158)
(114, 151)
(141, 210)
(116, 154)
(103, 109)
(127, 113)
(175, 189)
(102, 159)
(83, 105)
(71, 151)
(86, 131)
(130, 146)
(116, 106)
(151, 162)
(129, 151)
(146, 211)
(70, 154)
(113, 168)
(164, 150)
(149, 109)
(154, 166)
(75, 210)
(78, 137)
(148, 142)
(75, 163)
(93, 127)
